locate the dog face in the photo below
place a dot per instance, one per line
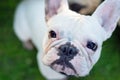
(73, 42)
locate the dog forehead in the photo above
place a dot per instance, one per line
(75, 24)
(71, 19)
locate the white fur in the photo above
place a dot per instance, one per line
(30, 24)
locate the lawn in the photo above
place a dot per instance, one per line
(17, 63)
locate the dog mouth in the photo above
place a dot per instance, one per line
(66, 52)
(75, 67)
(64, 67)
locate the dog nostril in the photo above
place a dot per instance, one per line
(63, 48)
(71, 51)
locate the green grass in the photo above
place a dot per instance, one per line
(17, 63)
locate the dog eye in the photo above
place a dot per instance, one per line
(52, 34)
(91, 45)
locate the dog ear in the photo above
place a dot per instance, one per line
(108, 14)
(54, 7)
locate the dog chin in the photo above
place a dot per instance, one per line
(64, 70)
(68, 71)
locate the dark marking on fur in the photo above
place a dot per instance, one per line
(66, 52)
(76, 7)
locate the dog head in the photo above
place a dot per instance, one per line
(73, 42)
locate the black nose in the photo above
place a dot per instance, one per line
(67, 50)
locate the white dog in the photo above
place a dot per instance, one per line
(67, 42)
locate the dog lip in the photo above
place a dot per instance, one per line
(66, 74)
(72, 73)
(63, 73)
(64, 64)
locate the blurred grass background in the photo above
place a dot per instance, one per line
(17, 63)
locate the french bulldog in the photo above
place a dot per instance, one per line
(68, 43)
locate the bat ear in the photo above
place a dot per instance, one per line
(108, 14)
(53, 7)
